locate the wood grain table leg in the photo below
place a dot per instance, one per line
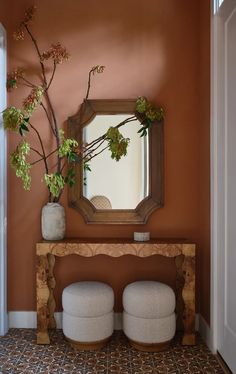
(188, 294)
(42, 300)
(51, 285)
(179, 287)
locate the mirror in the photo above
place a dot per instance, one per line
(124, 191)
(127, 183)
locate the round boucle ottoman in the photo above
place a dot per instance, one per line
(148, 318)
(88, 317)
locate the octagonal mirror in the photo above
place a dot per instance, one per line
(110, 191)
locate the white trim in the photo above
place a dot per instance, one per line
(214, 185)
(206, 333)
(216, 5)
(28, 320)
(22, 320)
(218, 169)
(3, 189)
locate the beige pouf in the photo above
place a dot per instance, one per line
(88, 317)
(148, 319)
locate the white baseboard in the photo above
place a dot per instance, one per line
(28, 320)
(206, 333)
(22, 320)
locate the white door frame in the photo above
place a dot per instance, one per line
(3, 189)
(217, 165)
(214, 172)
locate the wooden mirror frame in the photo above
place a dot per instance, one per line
(89, 109)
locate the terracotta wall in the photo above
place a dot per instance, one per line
(152, 50)
(204, 155)
(3, 11)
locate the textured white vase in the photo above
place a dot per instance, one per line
(53, 221)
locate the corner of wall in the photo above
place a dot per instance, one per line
(206, 333)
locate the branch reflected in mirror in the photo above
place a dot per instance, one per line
(124, 183)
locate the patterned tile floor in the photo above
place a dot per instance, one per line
(20, 354)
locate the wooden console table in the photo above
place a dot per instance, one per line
(183, 252)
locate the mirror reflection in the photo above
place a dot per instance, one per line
(111, 184)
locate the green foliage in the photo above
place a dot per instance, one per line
(117, 144)
(86, 167)
(148, 113)
(13, 118)
(70, 177)
(67, 147)
(24, 127)
(13, 78)
(11, 83)
(154, 114)
(55, 182)
(141, 104)
(33, 100)
(19, 163)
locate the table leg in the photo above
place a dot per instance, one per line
(42, 300)
(51, 285)
(179, 284)
(188, 294)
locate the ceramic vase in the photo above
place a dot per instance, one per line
(53, 221)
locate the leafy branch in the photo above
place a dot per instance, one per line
(67, 151)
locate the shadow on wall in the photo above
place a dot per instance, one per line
(115, 34)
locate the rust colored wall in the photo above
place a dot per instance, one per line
(149, 50)
(204, 154)
(3, 13)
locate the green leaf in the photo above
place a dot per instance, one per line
(71, 173)
(86, 167)
(55, 183)
(73, 157)
(71, 182)
(24, 127)
(144, 133)
(67, 147)
(117, 143)
(19, 163)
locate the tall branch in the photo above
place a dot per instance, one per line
(101, 141)
(89, 84)
(41, 143)
(53, 73)
(39, 54)
(46, 157)
(96, 154)
(95, 141)
(46, 93)
(35, 150)
(48, 117)
(55, 129)
(30, 84)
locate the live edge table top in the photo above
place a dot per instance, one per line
(89, 247)
(182, 250)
